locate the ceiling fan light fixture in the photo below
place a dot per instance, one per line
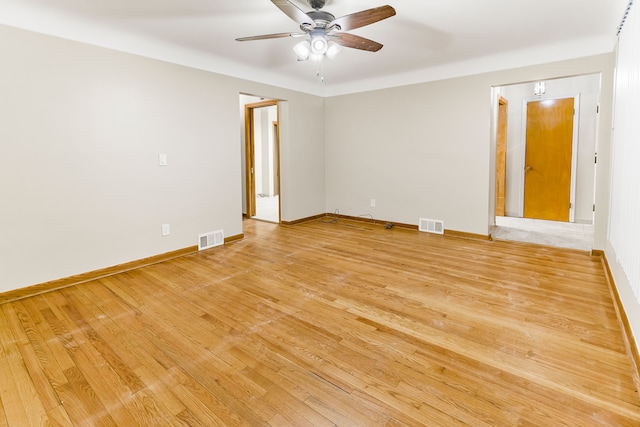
(302, 50)
(319, 44)
(333, 50)
(321, 29)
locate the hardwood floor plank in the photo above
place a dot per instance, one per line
(3, 417)
(14, 412)
(99, 347)
(162, 392)
(82, 396)
(200, 411)
(58, 417)
(202, 368)
(41, 367)
(81, 402)
(204, 404)
(288, 410)
(34, 391)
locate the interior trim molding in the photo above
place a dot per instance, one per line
(233, 238)
(627, 334)
(371, 220)
(77, 279)
(301, 220)
(464, 235)
(447, 233)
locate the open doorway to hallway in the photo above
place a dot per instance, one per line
(525, 191)
(261, 158)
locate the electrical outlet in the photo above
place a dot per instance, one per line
(373, 203)
(166, 230)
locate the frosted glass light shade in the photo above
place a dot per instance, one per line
(333, 50)
(319, 45)
(302, 50)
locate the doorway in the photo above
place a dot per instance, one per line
(584, 93)
(262, 160)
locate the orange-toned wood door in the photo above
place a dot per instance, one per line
(501, 157)
(548, 159)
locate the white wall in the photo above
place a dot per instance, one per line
(269, 116)
(415, 150)
(302, 156)
(588, 89)
(81, 131)
(261, 139)
(263, 119)
(623, 249)
(425, 150)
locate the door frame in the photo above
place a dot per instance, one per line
(574, 149)
(250, 166)
(501, 156)
(275, 130)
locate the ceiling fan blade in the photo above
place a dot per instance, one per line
(295, 13)
(365, 17)
(355, 42)
(270, 36)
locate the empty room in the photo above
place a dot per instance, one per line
(319, 213)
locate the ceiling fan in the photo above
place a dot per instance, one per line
(324, 32)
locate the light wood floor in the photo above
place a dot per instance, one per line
(323, 324)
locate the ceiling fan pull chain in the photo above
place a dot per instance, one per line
(320, 70)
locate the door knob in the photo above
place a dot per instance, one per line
(527, 168)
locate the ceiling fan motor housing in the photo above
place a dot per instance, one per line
(317, 4)
(321, 18)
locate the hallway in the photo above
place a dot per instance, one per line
(549, 233)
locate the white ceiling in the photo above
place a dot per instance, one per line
(426, 40)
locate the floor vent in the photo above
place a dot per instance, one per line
(211, 239)
(431, 226)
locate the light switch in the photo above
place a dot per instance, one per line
(162, 159)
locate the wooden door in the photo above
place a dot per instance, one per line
(548, 159)
(501, 157)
